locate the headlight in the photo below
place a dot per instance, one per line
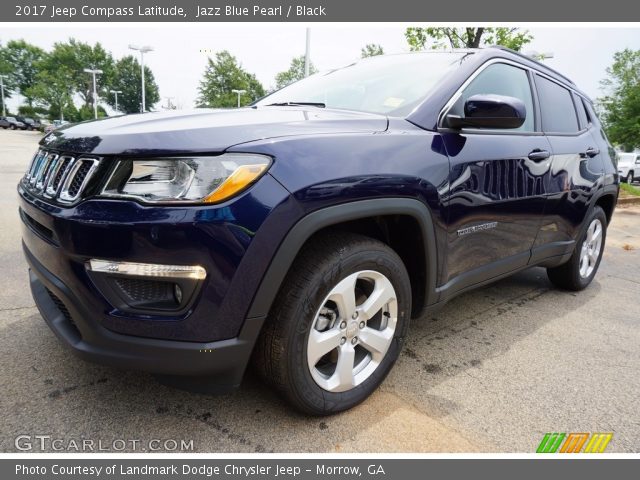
(186, 179)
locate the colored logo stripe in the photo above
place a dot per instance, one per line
(598, 442)
(550, 442)
(573, 442)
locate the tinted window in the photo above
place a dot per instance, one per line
(582, 113)
(556, 105)
(500, 79)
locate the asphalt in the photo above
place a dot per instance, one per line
(493, 371)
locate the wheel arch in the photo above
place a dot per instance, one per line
(349, 214)
(607, 201)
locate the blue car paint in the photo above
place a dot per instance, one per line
(321, 158)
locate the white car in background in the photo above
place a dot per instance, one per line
(629, 166)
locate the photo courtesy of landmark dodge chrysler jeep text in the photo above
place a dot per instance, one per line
(306, 230)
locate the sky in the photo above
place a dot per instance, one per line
(181, 50)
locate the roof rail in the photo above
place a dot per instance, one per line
(522, 55)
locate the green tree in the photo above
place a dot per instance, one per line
(450, 37)
(620, 107)
(20, 60)
(33, 111)
(75, 56)
(371, 50)
(294, 73)
(223, 75)
(53, 90)
(5, 70)
(127, 78)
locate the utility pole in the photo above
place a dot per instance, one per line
(94, 72)
(116, 92)
(144, 49)
(307, 54)
(4, 109)
(239, 92)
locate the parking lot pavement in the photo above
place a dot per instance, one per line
(493, 371)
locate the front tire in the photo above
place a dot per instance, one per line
(578, 272)
(338, 324)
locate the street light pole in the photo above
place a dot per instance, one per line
(94, 72)
(116, 92)
(4, 109)
(307, 54)
(541, 57)
(144, 49)
(239, 92)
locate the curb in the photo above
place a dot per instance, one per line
(626, 201)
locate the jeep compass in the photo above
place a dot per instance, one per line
(303, 232)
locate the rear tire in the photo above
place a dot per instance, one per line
(630, 178)
(578, 272)
(346, 289)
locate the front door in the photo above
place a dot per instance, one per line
(496, 191)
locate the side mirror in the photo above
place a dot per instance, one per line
(489, 111)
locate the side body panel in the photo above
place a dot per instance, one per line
(405, 162)
(495, 203)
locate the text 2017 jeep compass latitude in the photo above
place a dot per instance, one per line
(306, 230)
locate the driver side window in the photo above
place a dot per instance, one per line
(500, 79)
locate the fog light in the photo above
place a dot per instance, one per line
(194, 272)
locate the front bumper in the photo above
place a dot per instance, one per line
(233, 242)
(78, 329)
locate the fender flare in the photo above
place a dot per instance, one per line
(611, 190)
(326, 217)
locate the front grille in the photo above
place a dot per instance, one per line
(59, 177)
(78, 179)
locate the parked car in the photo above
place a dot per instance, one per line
(12, 123)
(629, 166)
(29, 123)
(44, 124)
(307, 230)
(54, 125)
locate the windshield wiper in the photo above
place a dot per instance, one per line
(297, 104)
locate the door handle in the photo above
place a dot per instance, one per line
(591, 152)
(538, 155)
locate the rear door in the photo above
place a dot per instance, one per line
(496, 191)
(576, 170)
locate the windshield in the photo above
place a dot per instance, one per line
(392, 85)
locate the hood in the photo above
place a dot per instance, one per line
(204, 130)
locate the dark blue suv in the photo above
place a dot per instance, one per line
(306, 230)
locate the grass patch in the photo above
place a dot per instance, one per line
(629, 190)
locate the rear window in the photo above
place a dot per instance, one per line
(583, 115)
(557, 108)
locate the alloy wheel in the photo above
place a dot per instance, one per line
(352, 331)
(591, 248)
